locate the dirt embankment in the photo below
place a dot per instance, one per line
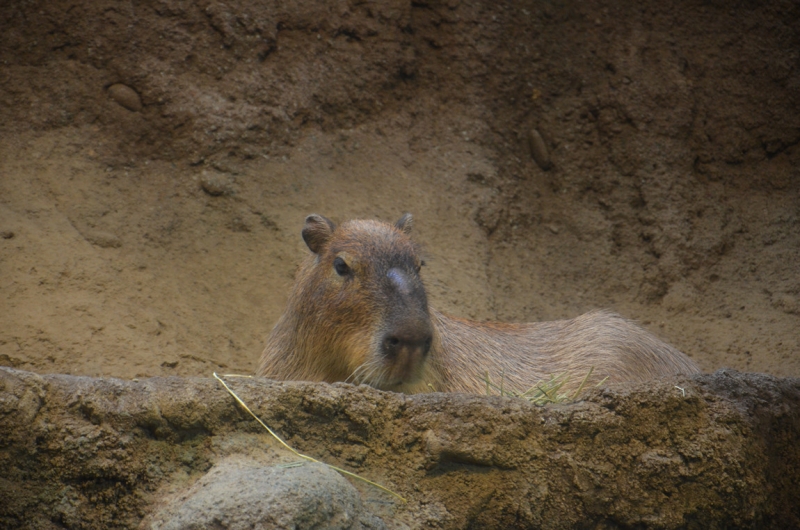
(715, 451)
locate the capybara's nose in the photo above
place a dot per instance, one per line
(398, 345)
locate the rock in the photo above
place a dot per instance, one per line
(239, 493)
(103, 239)
(539, 150)
(125, 96)
(216, 184)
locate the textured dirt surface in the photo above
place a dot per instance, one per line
(153, 229)
(720, 451)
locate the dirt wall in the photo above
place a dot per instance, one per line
(155, 231)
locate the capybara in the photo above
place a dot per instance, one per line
(358, 312)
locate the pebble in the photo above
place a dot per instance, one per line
(539, 150)
(216, 184)
(125, 96)
(6, 234)
(103, 239)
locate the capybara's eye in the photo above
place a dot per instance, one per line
(341, 267)
(421, 264)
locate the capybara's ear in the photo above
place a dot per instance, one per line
(317, 231)
(404, 223)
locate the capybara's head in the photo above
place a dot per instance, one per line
(365, 312)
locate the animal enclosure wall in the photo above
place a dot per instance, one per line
(157, 160)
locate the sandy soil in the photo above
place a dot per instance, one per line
(162, 240)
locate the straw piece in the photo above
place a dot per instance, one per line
(543, 392)
(300, 455)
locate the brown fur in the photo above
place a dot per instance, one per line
(358, 312)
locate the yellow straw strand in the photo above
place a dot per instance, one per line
(306, 457)
(580, 388)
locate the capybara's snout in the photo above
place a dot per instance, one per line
(408, 332)
(407, 343)
(404, 350)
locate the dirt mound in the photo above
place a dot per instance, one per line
(715, 451)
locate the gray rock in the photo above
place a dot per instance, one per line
(238, 493)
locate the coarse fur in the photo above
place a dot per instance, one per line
(358, 312)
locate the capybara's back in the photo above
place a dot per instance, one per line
(358, 312)
(521, 355)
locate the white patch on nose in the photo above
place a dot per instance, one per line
(399, 280)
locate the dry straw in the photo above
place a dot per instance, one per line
(296, 453)
(543, 392)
